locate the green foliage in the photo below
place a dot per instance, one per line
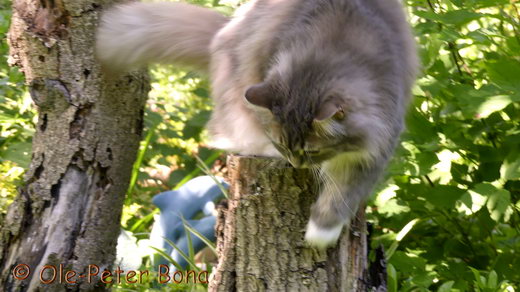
(16, 120)
(178, 109)
(456, 172)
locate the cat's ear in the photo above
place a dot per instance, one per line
(260, 95)
(331, 108)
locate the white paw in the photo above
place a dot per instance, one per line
(322, 237)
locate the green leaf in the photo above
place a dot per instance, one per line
(423, 279)
(506, 74)
(138, 163)
(167, 257)
(510, 168)
(493, 104)
(459, 17)
(479, 37)
(488, 3)
(152, 119)
(454, 17)
(488, 171)
(492, 280)
(498, 203)
(392, 278)
(446, 287)
(195, 125)
(400, 237)
(407, 262)
(204, 239)
(423, 131)
(498, 200)
(480, 280)
(443, 196)
(189, 259)
(425, 161)
(489, 154)
(202, 92)
(430, 53)
(176, 176)
(19, 153)
(482, 102)
(11, 119)
(200, 119)
(191, 250)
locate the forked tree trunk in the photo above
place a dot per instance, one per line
(86, 139)
(260, 236)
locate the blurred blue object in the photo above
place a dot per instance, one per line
(197, 195)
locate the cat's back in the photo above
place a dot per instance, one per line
(245, 44)
(373, 30)
(263, 28)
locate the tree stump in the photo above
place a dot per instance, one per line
(260, 235)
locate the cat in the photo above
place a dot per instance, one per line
(323, 83)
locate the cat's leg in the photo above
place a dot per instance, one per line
(345, 186)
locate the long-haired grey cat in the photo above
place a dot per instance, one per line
(323, 83)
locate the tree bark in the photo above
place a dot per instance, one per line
(260, 235)
(86, 139)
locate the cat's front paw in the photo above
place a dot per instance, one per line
(322, 237)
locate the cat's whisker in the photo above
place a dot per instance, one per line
(334, 189)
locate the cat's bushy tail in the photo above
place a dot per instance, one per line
(135, 34)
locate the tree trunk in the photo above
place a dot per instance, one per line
(260, 235)
(87, 136)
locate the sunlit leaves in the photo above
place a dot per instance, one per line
(458, 167)
(505, 73)
(16, 120)
(392, 278)
(497, 200)
(454, 17)
(442, 196)
(446, 287)
(19, 153)
(510, 169)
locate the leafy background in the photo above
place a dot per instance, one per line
(448, 211)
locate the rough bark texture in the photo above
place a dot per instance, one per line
(260, 235)
(86, 139)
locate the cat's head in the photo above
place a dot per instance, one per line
(315, 111)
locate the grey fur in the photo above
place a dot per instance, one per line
(327, 85)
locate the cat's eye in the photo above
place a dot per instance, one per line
(339, 115)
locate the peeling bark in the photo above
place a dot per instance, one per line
(86, 139)
(260, 236)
